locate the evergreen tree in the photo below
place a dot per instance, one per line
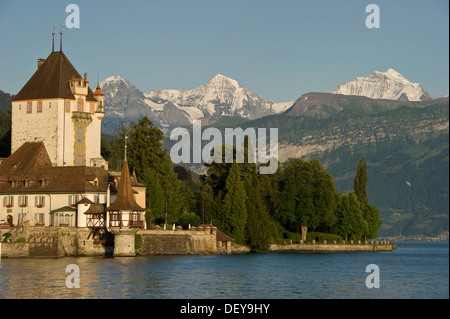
(234, 215)
(205, 201)
(360, 182)
(259, 227)
(154, 197)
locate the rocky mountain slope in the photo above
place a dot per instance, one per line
(406, 148)
(221, 96)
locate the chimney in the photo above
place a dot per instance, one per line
(39, 62)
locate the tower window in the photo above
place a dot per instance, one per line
(67, 107)
(80, 106)
(79, 134)
(79, 160)
(29, 108)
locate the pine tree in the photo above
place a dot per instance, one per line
(259, 227)
(234, 215)
(360, 183)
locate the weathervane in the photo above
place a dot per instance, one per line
(53, 38)
(60, 37)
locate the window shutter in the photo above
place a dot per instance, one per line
(43, 201)
(35, 201)
(20, 200)
(12, 201)
(5, 201)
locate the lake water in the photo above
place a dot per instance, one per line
(414, 270)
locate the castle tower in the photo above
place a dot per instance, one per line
(125, 217)
(56, 106)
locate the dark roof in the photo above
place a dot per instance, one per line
(51, 80)
(125, 199)
(27, 157)
(31, 161)
(85, 200)
(222, 237)
(96, 209)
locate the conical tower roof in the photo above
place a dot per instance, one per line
(125, 200)
(51, 80)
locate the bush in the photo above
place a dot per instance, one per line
(21, 240)
(295, 237)
(137, 241)
(187, 219)
(322, 236)
(6, 236)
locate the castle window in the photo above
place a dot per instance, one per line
(43, 181)
(49, 105)
(39, 201)
(39, 218)
(8, 201)
(80, 106)
(79, 134)
(67, 106)
(79, 160)
(23, 201)
(29, 108)
(39, 107)
(26, 182)
(73, 199)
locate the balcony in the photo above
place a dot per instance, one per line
(137, 224)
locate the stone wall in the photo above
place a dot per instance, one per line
(335, 247)
(176, 242)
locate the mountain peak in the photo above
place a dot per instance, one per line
(390, 85)
(222, 79)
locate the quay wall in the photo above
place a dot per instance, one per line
(176, 242)
(73, 242)
(334, 247)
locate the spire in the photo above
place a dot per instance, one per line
(60, 37)
(126, 138)
(98, 90)
(53, 38)
(125, 200)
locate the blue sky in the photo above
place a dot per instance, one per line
(277, 49)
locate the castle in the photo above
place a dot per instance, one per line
(58, 197)
(56, 175)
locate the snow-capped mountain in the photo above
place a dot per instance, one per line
(389, 85)
(171, 108)
(221, 96)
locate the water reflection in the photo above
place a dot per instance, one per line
(405, 273)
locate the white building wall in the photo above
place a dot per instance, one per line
(36, 126)
(52, 202)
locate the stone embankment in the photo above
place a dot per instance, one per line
(335, 246)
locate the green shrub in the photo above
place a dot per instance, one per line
(137, 241)
(295, 237)
(187, 219)
(21, 240)
(6, 236)
(320, 237)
